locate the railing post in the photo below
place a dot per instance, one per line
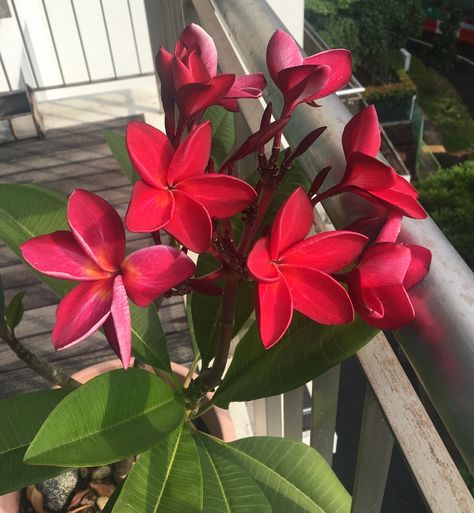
(373, 458)
(293, 414)
(324, 411)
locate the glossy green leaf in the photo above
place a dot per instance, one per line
(109, 418)
(292, 476)
(15, 310)
(306, 351)
(20, 419)
(166, 479)
(223, 132)
(118, 147)
(227, 487)
(148, 337)
(27, 211)
(204, 311)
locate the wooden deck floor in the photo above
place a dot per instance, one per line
(67, 159)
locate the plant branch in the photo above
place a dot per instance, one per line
(211, 378)
(43, 368)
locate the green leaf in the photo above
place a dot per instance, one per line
(148, 337)
(223, 132)
(166, 479)
(227, 487)
(293, 476)
(306, 351)
(204, 310)
(15, 310)
(27, 211)
(20, 419)
(109, 418)
(118, 147)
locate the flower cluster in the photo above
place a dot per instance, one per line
(325, 276)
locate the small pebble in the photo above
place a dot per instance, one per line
(83, 473)
(121, 469)
(57, 490)
(101, 472)
(101, 502)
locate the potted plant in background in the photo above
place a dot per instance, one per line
(300, 302)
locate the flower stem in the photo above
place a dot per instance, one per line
(211, 378)
(43, 368)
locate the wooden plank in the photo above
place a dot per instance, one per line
(373, 458)
(432, 466)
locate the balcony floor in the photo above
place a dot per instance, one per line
(68, 158)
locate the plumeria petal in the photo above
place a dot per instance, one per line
(118, 326)
(221, 195)
(401, 197)
(150, 151)
(182, 74)
(190, 223)
(365, 302)
(192, 98)
(260, 264)
(391, 228)
(362, 133)
(419, 265)
(282, 53)
(97, 228)
(340, 62)
(59, 255)
(149, 209)
(292, 223)
(328, 251)
(398, 310)
(303, 83)
(192, 155)
(318, 296)
(195, 38)
(247, 86)
(81, 312)
(384, 264)
(150, 272)
(368, 173)
(274, 311)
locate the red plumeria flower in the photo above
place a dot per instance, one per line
(378, 285)
(175, 193)
(368, 177)
(190, 76)
(93, 253)
(293, 273)
(305, 80)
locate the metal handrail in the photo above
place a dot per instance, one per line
(439, 342)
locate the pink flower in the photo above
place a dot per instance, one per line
(93, 253)
(305, 80)
(190, 76)
(379, 285)
(368, 177)
(174, 192)
(293, 273)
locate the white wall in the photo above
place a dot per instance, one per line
(291, 13)
(121, 23)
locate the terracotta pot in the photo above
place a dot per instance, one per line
(217, 420)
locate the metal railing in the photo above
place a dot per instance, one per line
(32, 68)
(438, 343)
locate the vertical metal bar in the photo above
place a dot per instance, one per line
(53, 41)
(25, 46)
(5, 73)
(373, 458)
(293, 414)
(80, 40)
(108, 38)
(324, 412)
(273, 415)
(259, 417)
(134, 36)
